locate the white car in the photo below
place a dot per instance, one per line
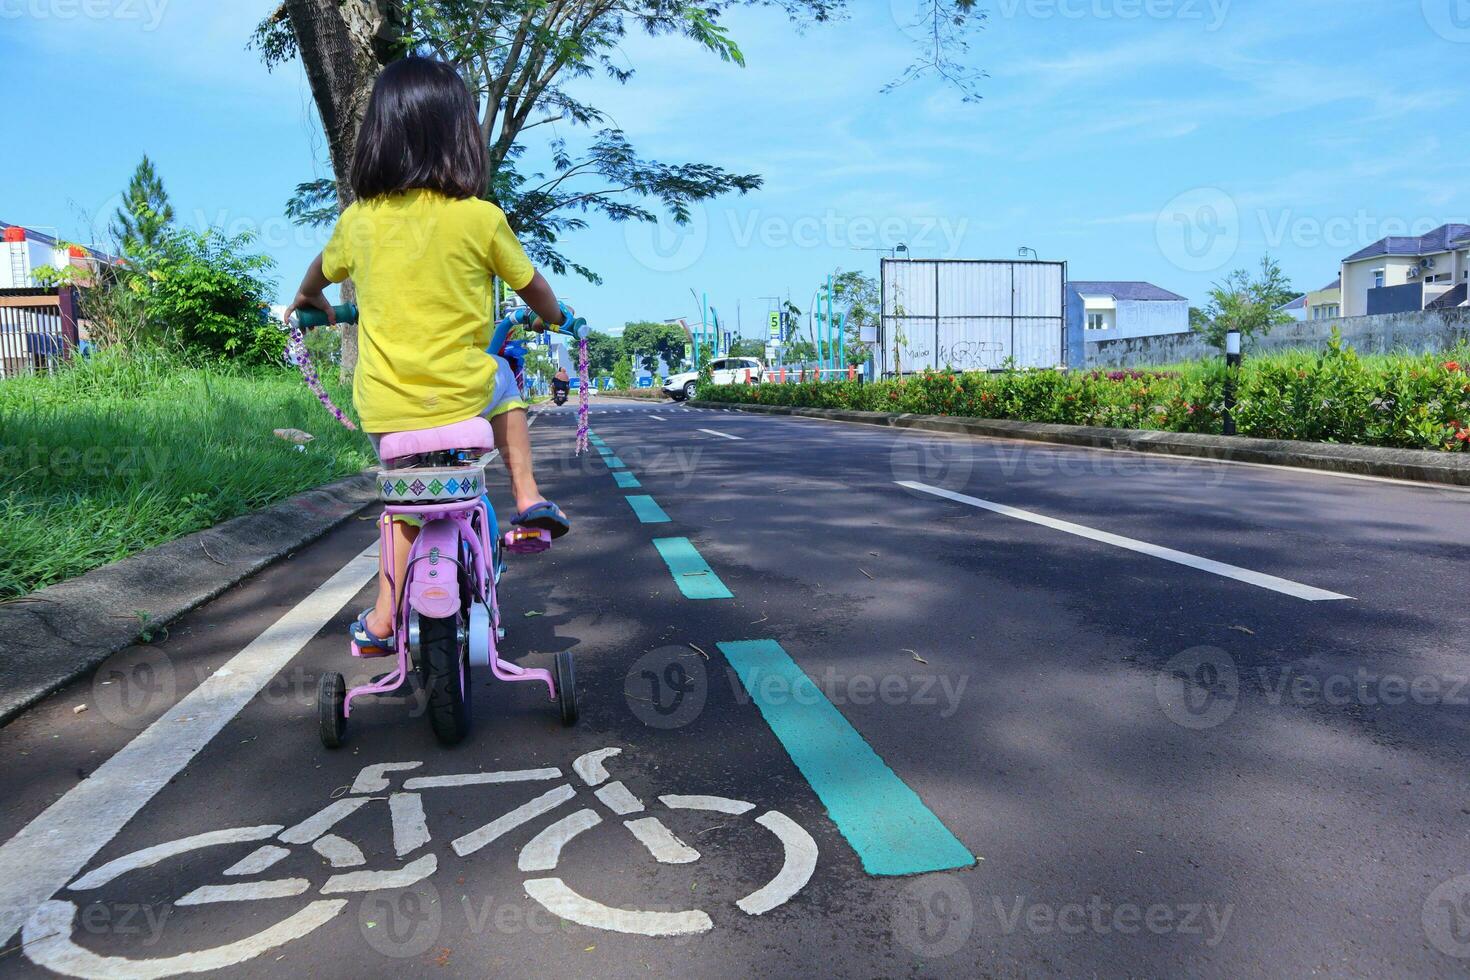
(727, 371)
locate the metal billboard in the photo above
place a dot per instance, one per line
(971, 314)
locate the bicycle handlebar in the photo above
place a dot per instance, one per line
(309, 319)
(576, 327)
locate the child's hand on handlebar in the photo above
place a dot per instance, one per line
(312, 301)
(567, 314)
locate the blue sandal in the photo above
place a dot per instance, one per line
(544, 516)
(368, 643)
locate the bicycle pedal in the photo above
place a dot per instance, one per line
(527, 540)
(374, 652)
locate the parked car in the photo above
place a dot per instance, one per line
(726, 370)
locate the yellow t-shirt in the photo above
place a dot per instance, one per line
(422, 264)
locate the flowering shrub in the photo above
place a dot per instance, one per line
(1408, 401)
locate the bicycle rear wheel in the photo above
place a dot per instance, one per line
(446, 676)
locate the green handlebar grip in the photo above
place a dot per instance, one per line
(308, 319)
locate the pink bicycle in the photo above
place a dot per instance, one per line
(448, 617)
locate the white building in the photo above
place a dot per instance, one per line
(1400, 274)
(24, 250)
(1115, 310)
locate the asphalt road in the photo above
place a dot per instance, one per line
(1172, 716)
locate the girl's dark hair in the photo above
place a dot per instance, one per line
(420, 131)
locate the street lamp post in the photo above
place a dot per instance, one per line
(1232, 368)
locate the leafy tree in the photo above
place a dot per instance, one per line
(857, 294)
(746, 347)
(939, 30)
(622, 373)
(1249, 305)
(207, 293)
(519, 57)
(604, 351)
(141, 221)
(652, 342)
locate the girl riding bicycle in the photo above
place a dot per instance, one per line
(421, 247)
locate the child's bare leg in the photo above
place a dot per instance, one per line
(513, 436)
(380, 621)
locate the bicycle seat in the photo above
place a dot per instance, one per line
(474, 434)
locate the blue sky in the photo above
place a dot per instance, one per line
(1164, 140)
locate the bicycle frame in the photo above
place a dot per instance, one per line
(457, 533)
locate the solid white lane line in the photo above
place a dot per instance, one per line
(722, 435)
(1260, 579)
(60, 841)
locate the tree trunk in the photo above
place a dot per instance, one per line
(342, 45)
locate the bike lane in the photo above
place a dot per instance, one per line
(1105, 727)
(604, 594)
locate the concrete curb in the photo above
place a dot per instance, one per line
(1425, 466)
(59, 633)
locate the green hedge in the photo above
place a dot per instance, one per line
(1407, 401)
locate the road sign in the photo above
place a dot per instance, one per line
(775, 324)
(645, 382)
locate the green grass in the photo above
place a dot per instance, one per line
(114, 455)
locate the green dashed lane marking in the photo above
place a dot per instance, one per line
(884, 820)
(613, 463)
(626, 480)
(691, 572)
(603, 451)
(647, 509)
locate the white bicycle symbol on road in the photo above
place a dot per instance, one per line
(49, 935)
